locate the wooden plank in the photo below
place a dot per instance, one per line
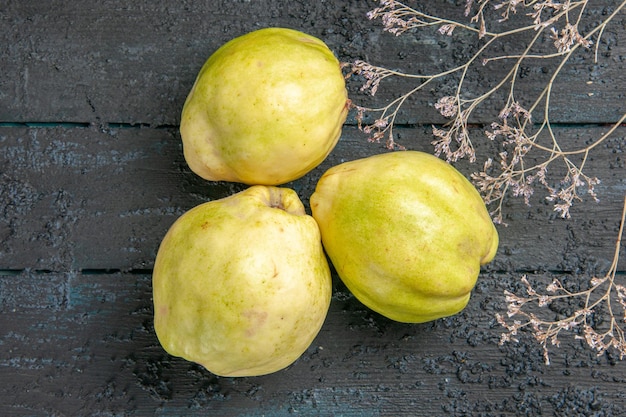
(84, 198)
(76, 344)
(93, 63)
(581, 93)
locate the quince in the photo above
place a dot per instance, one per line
(266, 108)
(406, 232)
(241, 285)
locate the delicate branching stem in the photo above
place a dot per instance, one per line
(603, 293)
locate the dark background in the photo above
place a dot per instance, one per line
(92, 175)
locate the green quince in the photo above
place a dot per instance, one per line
(241, 285)
(266, 108)
(406, 232)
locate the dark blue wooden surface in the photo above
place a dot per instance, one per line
(92, 175)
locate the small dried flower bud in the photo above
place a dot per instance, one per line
(447, 106)
(447, 29)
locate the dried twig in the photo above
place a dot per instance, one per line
(603, 295)
(512, 174)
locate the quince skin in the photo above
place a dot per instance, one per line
(241, 285)
(406, 232)
(266, 108)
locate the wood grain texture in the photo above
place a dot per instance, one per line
(107, 61)
(66, 191)
(92, 175)
(77, 344)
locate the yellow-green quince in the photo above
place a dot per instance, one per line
(266, 108)
(241, 285)
(406, 232)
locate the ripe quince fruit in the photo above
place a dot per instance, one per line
(266, 108)
(406, 232)
(241, 285)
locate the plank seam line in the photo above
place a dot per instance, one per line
(84, 125)
(149, 271)
(122, 125)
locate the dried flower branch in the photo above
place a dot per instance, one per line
(604, 295)
(550, 20)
